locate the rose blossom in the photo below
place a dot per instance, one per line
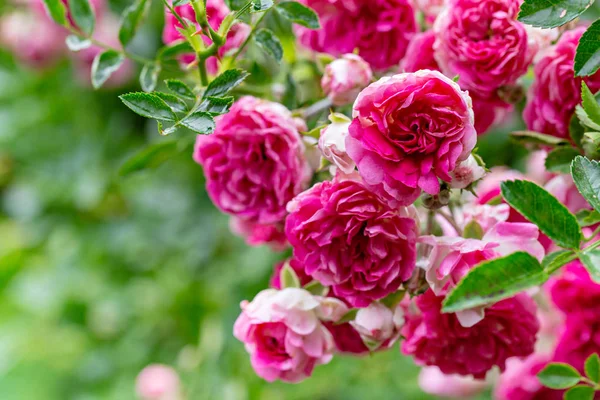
(436, 383)
(216, 11)
(158, 382)
(435, 338)
(580, 338)
(282, 332)
(536, 167)
(483, 43)
(430, 8)
(347, 340)
(344, 78)
(381, 29)
(258, 234)
(409, 130)
(349, 239)
(419, 54)
(520, 381)
(332, 143)
(466, 173)
(563, 188)
(574, 290)
(378, 325)
(254, 162)
(556, 91)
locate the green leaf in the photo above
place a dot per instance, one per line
(176, 104)
(556, 260)
(591, 261)
(536, 138)
(591, 144)
(299, 14)
(148, 105)
(559, 160)
(150, 157)
(592, 368)
(544, 210)
(149, 77)
(587, 57)
(290, 95)
(131, 20)
(559, 376)
(180, 89)
(349, 316)
(473, 231)
(225, 82)
(551, 13)
(495, 280)
(576, 130)
(586, 175)
(580, 392)
(585, 119)
(77, 43)
(200, 122)
(392, 300)
(216, 105)
(174, 50)
(269, 43)
(288, 277)
(83, 15)
(316, 288)
(57, 11)
(178, 3)
(104, 65)
(261, 5)
(589, 103)
(588, 218)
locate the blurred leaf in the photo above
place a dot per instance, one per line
(349, 316)
(150, 157)
(473, 231)
(556, 260)
(180, 88)
(588, 218)
(536, 138)
(104, 65)
(261, 5)
(288, 277)
(316, 288)
(585, 119)
(178, 3)
(200, 122)
(591, 260)
(176, 104)
(149, 77)
(576, 130)
(392, 300)
(587, 58)
(544, 210)
(148, 105)
(77, 43)
(174, 50)
(216, 105)
(551, 13)
(592, 368)
(225, 82)
(83, 15)
(131, 20)
(586, 175)
(559, 376)
(495, 280)
(581, 392)
(299, 14)
(589, 103)
(269, 43)
(57, 11)
(290, 95)
(559, 160)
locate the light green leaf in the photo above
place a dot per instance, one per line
(588, 218)
(592, 368)
(288, 277)
(83, 15)
(299, 14)
(216, 105)
(559, 376)
(150, 157)
(349, 316)
(559, 160)
(544, 210)
(473, 231)
(104, 65)
(495, 280)
(553, 261)
(586, 175)
(174, 50)
(200, 122)
(148, 105)
(589, 103)
(261, 5)
(180, 89)
(585, 119)
(177, 3)
(176, 104)
(131, 20)
(392, 300)
(551, 13)
(316, 288)
(269, 43)
(57, 11)
(149, 77)
(581, 392)
(225, 82)
(576, 130)
(538, 139)
(587, 58)
(591, 261)
(77, 43)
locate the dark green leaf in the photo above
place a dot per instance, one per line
(269, 43)
(216, 105)
(551, 13)
(536, 138)
(299, 14)
(495, 280)
(586, 175)
(392, 300)
(77, 43)
(349, 316)
(473, 230)
(576, 130)
(545, 211)
(149, 77)
(131, 20)
(57, 11)
(559, 160)
(176, 104)
(261, 5)
(180, 89)
(225, 82)
(288, 277)
(559, 376)
(585, 119)
(83, 15)
(588, 217)
(199, 122)
(104, 65)
(591, 260)
(150, 157)
(556, 260)
(174, 50)
(587, 58)
(148, 105)
(592, 368)
(581, 392)
(589, 103)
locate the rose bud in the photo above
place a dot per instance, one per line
(377, 324)
(345, 77)
(466, 173)
(332, 143)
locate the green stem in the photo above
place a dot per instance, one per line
(202, 70)
(250, 35)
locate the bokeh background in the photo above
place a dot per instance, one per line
(101, 275)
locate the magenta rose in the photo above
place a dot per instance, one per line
(254, 162)
(257, 234)
(283, 334)
(430, 8)
(381, 29)
(556, 91)
(344, 78)
(409, 130)
(349, 239)
(434, 338)
(419, 54)
(483, 43)
(520, 381)
(580, 338)
(574, 290)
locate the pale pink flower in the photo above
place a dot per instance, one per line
(563, 188)
(158, 382)
(332, 143)
(344, 78)
(536, 167)
(435, 382)
(282, 332)
(467, 172)
(377, 324)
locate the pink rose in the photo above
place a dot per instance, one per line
(434, 338)
(430, 8)
(349, 239)
(378, 326)
(216, 10)
(419, 54)
(536, 167)
(332, 143)
(580, 338)
(282, 332)
(488, 111)
(381, 29)
(347, 339)
(574, 290)
(556, 91)
(466, 173)
(254, 162)
(344, 78)
(520, 381)
(258, 234)
(485, 215)
(410, 130)
(483, 43)
(563, 188)
(158, 382)
(436, 383)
